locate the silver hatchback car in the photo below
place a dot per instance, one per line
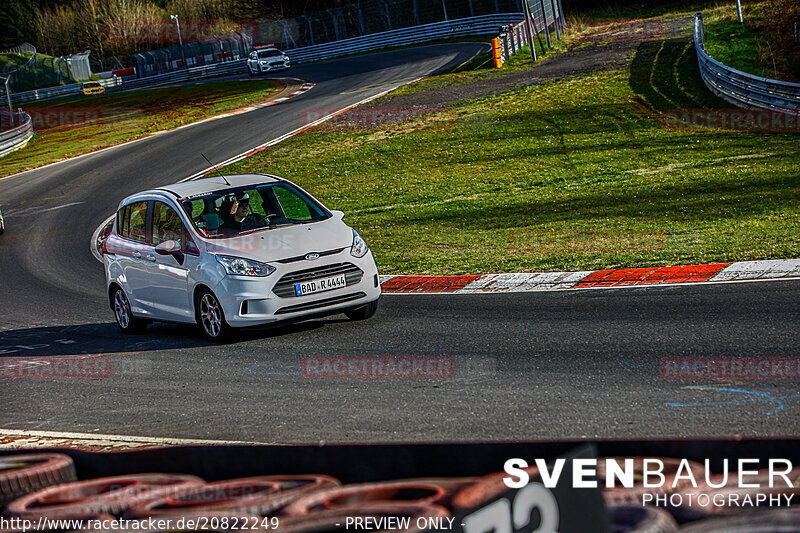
(236, 251)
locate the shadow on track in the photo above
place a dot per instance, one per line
(106, 339)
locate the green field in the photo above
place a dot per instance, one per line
(68, 127)
(572, 174)
(747, 46)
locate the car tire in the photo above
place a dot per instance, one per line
(128, 324)
(364, 312)
(211, 317)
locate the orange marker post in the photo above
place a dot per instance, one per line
(497, 54)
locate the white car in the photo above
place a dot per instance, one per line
(235, 251)
(267, 59)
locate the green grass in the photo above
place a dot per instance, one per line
(574, 174)
(739, 45)
(95, 122)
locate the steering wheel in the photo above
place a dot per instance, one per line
(254, 220)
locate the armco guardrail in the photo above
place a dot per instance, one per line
(740, 88)
(405, 36)
(57, 92)
(19, 135)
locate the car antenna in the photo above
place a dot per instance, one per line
(215, 168)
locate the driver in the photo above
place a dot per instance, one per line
(235, 211)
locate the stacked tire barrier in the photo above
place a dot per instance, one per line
(33, 486)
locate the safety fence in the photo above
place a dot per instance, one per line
(33, 69)
(207, 52)
(740, 88)
(16, 129)
(315, 35)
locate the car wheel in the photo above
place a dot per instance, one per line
(363, 312)
(211, 317)
(128, 323)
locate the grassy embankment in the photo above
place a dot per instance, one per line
(572, 174)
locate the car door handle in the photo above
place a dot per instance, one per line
(150, 257)
(136, 255)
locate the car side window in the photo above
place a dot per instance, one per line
(123, 221)
(167, 225)
(133, 222)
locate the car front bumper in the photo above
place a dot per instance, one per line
(252, 301)
(273, 68)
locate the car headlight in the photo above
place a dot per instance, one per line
(359, 247)
(239, 266)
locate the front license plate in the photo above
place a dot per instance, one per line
(319, 285)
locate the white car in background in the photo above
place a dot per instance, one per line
(236, 251)
(267, 58)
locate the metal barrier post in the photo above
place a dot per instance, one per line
(528, 21)
(555, 19)
(546, 25)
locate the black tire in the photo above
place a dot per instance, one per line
(23, 474)
(364, 312)
(211, 318)
(128, 324)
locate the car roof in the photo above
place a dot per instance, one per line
(209, 184)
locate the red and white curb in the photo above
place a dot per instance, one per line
(589, 279)
(12, 439)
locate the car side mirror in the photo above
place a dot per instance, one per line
(172, 248)
(338, 215)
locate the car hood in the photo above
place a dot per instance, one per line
(284, 242)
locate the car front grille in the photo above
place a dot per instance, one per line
(285, 286)
(303, 257)
(307, 306)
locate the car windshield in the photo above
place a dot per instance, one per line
(92, 84)
(269, 53)
(234, 211)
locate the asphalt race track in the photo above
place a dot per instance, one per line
(582, 363)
